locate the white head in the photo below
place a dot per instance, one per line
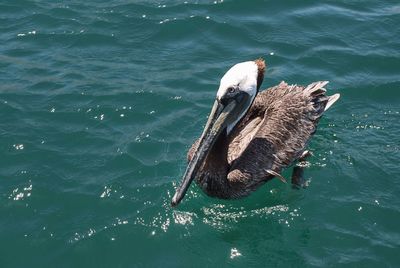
(243, 77)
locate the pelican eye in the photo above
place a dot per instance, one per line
(231, 89)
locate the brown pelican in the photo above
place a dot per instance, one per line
(249, 138)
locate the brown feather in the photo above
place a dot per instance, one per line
(271, 136)
(261, 70)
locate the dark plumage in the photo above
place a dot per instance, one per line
(250, 138)
(272, 135)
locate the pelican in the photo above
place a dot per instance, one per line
(251, 137)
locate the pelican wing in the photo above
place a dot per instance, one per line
(275, 131)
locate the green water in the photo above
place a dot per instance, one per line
(100, 100)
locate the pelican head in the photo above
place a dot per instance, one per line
(237, 90)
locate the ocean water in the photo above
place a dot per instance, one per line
(100, 100)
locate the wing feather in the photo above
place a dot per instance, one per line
(288, 116)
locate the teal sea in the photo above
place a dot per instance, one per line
(100, 101)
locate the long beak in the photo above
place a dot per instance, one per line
(217, 122)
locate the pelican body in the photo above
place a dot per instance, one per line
(250, 138)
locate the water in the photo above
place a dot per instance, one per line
(99, 103)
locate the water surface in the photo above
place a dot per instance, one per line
(99, 102)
